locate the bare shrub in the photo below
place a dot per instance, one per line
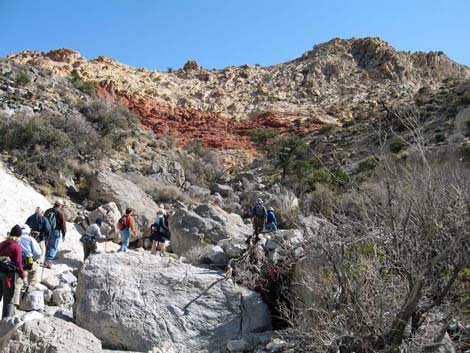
(372, 277)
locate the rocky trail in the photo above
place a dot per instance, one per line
(135, 301)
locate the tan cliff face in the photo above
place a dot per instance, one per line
(336, 81)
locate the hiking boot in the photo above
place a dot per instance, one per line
(48, 264)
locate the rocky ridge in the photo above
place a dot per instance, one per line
(335, 82)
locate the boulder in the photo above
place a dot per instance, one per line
(217, 256)
(48, 334)
(110, 215)
(224, 190)
(232, 248)
(205, 225)
(17, 201)
(33, 300)
(168, 171)
(163, 304)
(110, 187)
(62, 296)
(198, 192)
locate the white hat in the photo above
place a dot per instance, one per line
(25, 230)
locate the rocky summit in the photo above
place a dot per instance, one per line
(335, 82)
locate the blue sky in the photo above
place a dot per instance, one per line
(159, 34)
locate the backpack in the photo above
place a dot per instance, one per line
(51, 216)
(259, 210)
(7, 266)
(123, 222)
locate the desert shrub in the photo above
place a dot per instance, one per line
(165, 193)
(22, 78)
(327, 129)
(288, 150)
(202, 166)
(465, 98)
(464, 150)
(78, 83)
(262, 136)
(111, 121)
(396, 145)
(389, 255)
(319, 201)
(367, 165)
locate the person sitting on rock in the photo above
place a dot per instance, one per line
(11, 264)
(56, 219)
(271, 221)
(91, 236)
(158, 234)
(31, 254)
(258, 215)
(126, 225)
(39, 224)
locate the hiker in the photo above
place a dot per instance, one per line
(39, 225)
(11, 264)
(158, 234)
(31, 254)
(92, 235)
(162, 208)
(258, 215)
(56, 219)
(271, 221)
(126, 225)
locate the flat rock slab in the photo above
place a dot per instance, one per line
(140, 302)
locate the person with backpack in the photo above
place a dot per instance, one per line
(11, 264)
(56, 219)
(31, 253)
(126, 225)
(158, 233)
(92, 235)
(39, 224)
(271, 221)
(258, 215)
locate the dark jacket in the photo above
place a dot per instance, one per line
(159, 230)
(60, 219)
(12, 249)
(259, 211)
(39, 223)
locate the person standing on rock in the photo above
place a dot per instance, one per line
(31, 254)
(258, 215)
(11, 264)
(92, 235)
(271, 221)
(126, 225)
(56, 219)
(39, 224)
(158, 234)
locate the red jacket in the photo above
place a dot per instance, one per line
(12, 249)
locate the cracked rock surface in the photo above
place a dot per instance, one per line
(140, 302)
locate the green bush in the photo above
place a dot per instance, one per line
(78, 83)
(288, 149)
(261, 136)
(22, 78)
(367, 165)
(396, 145)
(465, 99)
(327, 129)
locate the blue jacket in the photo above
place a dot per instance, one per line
(271, 217)
(39, 223)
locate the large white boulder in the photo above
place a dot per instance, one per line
(110, 187)
(207, 224)
(136, 301)
(17, 201)
(48, 334)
